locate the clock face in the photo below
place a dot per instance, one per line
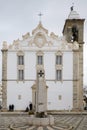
(40, 40)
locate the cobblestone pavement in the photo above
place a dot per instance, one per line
(62, 122)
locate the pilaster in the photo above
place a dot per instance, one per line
(4, 79)
(75, 79)
(81, 76)
(78, 79)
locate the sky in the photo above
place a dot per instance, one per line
(17, 17)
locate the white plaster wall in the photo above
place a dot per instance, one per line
(30, 65)
(65, 89)
(49, 65)
(67, 66)
(12, 65)
(14, 89)
(30, 62)
(53, 103)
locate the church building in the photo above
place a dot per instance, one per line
(59, 58)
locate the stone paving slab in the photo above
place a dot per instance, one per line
(62, 122)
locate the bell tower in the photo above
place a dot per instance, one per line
(74, 32)
(74, 27)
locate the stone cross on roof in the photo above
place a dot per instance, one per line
(40, 15)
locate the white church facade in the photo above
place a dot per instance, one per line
(61, 60)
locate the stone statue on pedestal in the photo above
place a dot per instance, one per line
(41, 95)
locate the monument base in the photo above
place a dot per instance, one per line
(41, 121)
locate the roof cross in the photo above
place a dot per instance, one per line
(40, 15)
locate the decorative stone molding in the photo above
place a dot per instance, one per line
(54, 36)
(26, 36)
(20, 53)
(40, 53)
(59, 67)
(40, 40)
(16, 42)
(59, 53)
(41, 28)
(20, 67)
(38, 67)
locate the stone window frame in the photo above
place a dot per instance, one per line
(20, 74)
(40, 60)
(58, 76)
(59, 66)
(20, 59)
(59, 53)
(58, 59)
(39, 66)
(20, 53)
(20, 66)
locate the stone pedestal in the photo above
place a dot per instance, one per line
(41, 121)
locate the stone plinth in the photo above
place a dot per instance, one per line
(41, 121)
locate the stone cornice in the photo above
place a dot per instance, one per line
(3, 50)
(4, 80)
(53, 80)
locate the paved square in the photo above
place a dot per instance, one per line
(62, 122)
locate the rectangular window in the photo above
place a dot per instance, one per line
(59, 75)
(20, 60)
(40, 60)
(19, 97)
(58, 60)
(60, 97)
(20, 75)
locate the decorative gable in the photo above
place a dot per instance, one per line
(40, 28)
(41, 40)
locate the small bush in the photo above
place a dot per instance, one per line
(31, 112)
